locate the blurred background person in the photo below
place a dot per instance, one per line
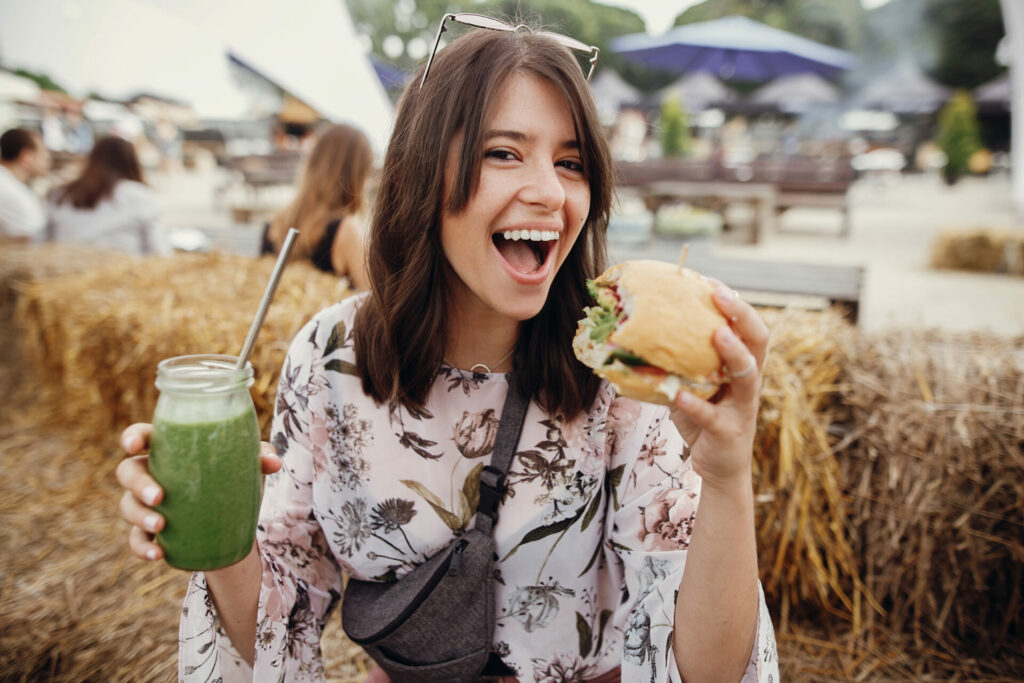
(23, 158)
(108, 205)
(328, 207)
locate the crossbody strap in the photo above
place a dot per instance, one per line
(492, 477)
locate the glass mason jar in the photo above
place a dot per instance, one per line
(205, 453)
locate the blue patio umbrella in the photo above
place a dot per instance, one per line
(733, 48)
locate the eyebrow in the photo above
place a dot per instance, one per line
(519, 136)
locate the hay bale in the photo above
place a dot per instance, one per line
(97, 336)
(888, 476)
(979, 249)
(802, 521)
(22, 264)
(935, 476)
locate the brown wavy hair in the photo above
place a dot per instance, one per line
(332, 186)
(400, 330)
(111, 160)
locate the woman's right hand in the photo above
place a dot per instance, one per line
(142, 492)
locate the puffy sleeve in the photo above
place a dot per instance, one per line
(653, 508)
(301, 578)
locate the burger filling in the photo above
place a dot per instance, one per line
(594, 349)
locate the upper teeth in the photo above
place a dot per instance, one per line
(535, 235)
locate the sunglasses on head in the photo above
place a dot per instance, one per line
(481, 21)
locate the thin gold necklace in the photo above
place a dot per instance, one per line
(486, 368)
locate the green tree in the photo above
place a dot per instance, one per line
(968, 31)
(958, 134)
(674, 128)
(40, 79)
(953, 40)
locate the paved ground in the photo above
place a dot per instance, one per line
(894, 225)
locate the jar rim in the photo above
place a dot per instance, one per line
(203, 373)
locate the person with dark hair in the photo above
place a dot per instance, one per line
(23, 157)
(108, 205)
(328, 206)
(623, 551)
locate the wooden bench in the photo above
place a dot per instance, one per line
(797, 181)
(770, 283)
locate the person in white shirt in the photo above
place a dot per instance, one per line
(23, 157)
(108, 205)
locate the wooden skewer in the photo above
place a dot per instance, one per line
(682, 256)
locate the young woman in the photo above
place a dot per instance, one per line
(622, 551)
(327, 207)
(108, 205)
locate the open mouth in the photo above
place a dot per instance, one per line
(525, 250)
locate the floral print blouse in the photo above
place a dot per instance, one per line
(591, 537)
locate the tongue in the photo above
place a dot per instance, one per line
(520, 255)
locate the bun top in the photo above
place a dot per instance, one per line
(670, 316)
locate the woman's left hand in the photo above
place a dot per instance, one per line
(721, 431)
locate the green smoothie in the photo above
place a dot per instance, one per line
(205, 455)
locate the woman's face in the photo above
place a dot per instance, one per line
(506, 245)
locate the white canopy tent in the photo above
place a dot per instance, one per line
(179, 49)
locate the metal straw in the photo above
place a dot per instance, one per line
(275, 276)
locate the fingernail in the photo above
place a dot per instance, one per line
(684, 398)
(723, 293)
(151, 521)
(728, 337)
(149, 494)
(129, 442)
(152, 554)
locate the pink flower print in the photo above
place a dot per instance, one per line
(278, 600)
(318, 441)
(475, 433)
(668, 520)
(622, 418)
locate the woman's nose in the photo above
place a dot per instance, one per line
(543, 187)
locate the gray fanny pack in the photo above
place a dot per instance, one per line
(436, 623)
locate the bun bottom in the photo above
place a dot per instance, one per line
(644, 387)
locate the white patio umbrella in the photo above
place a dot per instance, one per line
(796, 93)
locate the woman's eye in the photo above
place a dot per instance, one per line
(572, 165)
(501, 154)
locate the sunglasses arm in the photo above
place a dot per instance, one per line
(437, 41)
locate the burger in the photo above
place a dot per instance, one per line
(650, 331)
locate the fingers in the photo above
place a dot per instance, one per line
(269, 460)
(701, 413)
(135, 439)
(743, 366)
(133, 474)
(142, 545)
(137, 514)
(745, 320)
(141, 492)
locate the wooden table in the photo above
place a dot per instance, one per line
(763, 197)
